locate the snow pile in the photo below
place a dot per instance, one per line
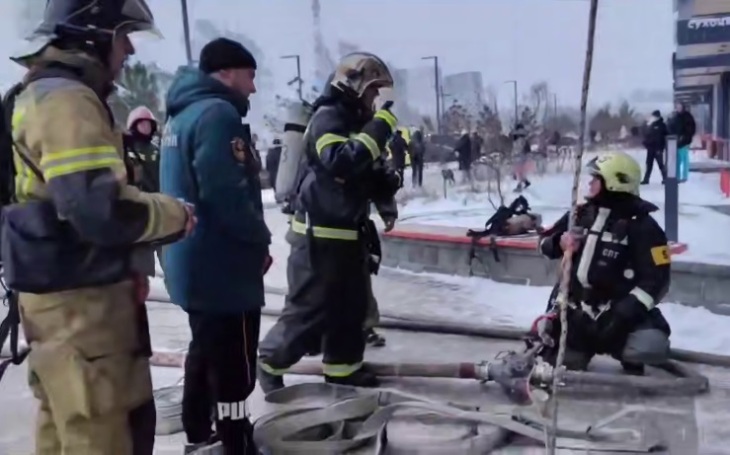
(512, 305)
(518, 306)
(703, 228)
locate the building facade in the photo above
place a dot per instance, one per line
(701, 64)
(465, 89)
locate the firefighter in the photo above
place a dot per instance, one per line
(142, 152)
(620, 272)
(328, 289)
(86, 322)
(398, 148)
(388, 212)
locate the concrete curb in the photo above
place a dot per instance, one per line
(517, 261)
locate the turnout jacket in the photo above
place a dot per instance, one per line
(346, 171)
(76, 211)
(623, 253)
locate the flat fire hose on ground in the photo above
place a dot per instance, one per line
(325, 418)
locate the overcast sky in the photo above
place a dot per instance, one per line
(527, 40)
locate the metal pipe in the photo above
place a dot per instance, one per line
(299, 74)
(516, 101)
(186, 32)
(671, 191)
(437, 84)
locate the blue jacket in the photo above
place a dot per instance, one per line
(218, 269)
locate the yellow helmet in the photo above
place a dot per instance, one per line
(620, 172)
(360, 70)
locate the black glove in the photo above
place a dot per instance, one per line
(624, 315)
(630, 310)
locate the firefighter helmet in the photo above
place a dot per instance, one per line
(89, 21)
(620, 172)
(358, 71)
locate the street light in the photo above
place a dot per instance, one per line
(516, 114)
(436, 86)
(186, 31)
(298, 79)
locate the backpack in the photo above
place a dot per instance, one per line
(512, 220)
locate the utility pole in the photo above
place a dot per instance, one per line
(298, 79)
(186, 31)
(437, 86)
(515, 92)
(555, 105)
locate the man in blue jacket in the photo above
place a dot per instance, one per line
(216, 274)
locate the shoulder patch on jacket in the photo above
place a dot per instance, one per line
(660, 255)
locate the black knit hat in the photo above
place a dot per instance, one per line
(222, 54)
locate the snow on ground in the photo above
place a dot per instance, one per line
(485, 301)
(701, 227)
(518, 306)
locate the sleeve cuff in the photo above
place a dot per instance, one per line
(643, 297)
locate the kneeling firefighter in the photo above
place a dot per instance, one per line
(621, 271)
(346, 170)
(76, 242)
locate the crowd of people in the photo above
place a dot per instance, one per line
(91, 207)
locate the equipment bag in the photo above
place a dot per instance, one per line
(515, 219)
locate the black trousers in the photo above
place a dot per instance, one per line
(326, 307)
(653, 155)
(417, 172)
(220, 374)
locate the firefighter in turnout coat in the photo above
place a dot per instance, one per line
(77, 233)
(621, 271)
(328, 286)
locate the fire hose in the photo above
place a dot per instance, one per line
(514, 365)
(308, 428)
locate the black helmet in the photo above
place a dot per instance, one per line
(89, 22)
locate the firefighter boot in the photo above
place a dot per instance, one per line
(269, 382)
(360, 378)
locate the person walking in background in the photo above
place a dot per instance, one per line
(521, 155)
(398, 149)
(463, 149)
(682, 125)
(655, 141)
(417, 150)
(142, 153)
(217, 274)
(273, 156)
(476, 145)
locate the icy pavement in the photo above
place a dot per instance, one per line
(703, 228)
(406, 294)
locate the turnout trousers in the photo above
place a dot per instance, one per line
(645, 344)
(89, 369)
(326, 306)
(220, 374)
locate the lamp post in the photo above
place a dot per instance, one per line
(298, 79)
(186, 31)
(515, 92)
(436, 85)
